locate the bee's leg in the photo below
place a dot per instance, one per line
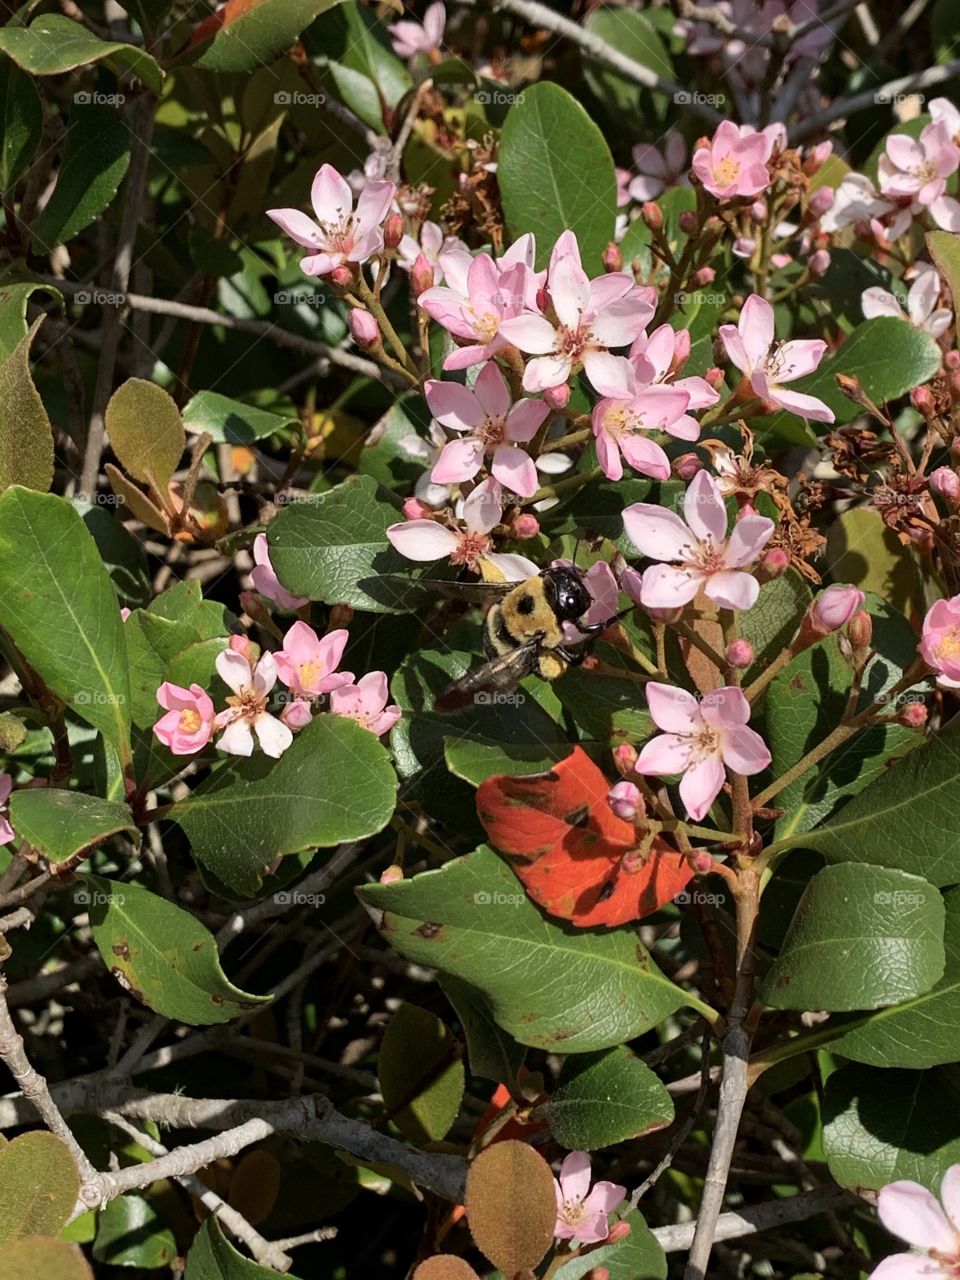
(573, 656)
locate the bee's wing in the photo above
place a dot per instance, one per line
(414, 591)
(499, 675)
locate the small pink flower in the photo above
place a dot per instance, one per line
(493, 425)
(367, 703)
(297, 713)
(475, 306)
(940, 641)
(124, 613)
(751, 346)
(918, 169)
(265, 580)
(188, 724)
(582, 1212)
(703, 556)
(410, 37)
(433, 245)
(6, 831)
(913, 1213)
(922, 310)
(307, 663)
(246, 711)
(658, 169)
(340, 234)
(834, 607)
(734, 164)
(699, 739)
(620, 421)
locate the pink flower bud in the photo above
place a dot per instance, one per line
(686, 466)
(612, 258)
(630, 582)
(414, 509)
(603, 1273)
(341, 276)
(624, 800)
(952, 360)
(817, 156)
(774, 564)
(619, 1231)
(421, 275)
(819, 263)
(124, 614)
(296, 715)
(558, 397)
(834, 607)
(923, 401)
(739, 654)
(913, 715)
(393, 230)
(945, 483)
(821, 201)
(652, 216)
(780, 260)
(363, 328)
(714, 376)
(687, 222)
(625, 757)
(681, 350)
(246, 647)
(759, 211)
(744, 247)
(706, 275)
(543, 299)
(860, 631)
(392, 875)
(526, 526)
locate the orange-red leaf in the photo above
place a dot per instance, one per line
(575, 857)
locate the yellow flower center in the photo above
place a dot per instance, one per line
(190, 720)
(727, 171)
(949, 645)
(311, 673)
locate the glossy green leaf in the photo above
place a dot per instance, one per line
(39, 1186)
(162, 955)
(146, 431)
(334, 783)
(605, 1098)
(421, 1074)
(366, 71)
(944, 249)
(213, 1257)
(491, 1053)
(63, 825)
(881, 1126)
(326, 545)
(231, 421)
(638, 1257)
(53, 44)
(246, 34)
(59, 607)
(556, 174)
(95, 158)
(131, 1233)
(21, 123)
(26, 437)
(120, 551)
(772, 622)
(862, 937)
(550, 986)
(475, 760)
(864, 551)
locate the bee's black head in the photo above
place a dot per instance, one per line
(566, 591)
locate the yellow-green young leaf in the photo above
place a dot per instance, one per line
(67, 824)
(421, 1074)
(212, 1257)
(511, 1206)
(26, 437)
(445, 1266)
(162, 955)
(38, 1186)
(51, 1259)
(146, 431)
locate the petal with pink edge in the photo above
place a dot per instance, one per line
(913, 1213)
(665, 587)
(453, 405)
(422, 539)
(525, 419)
(459, 460)
(664, 755)
(297, 226)
(515, 470)
(491, 391)
(533, 334)
(908, 1266)
(330, 195)
(703, 509)
(795, 359)
(575, 1175)
(743, 750)
(733, 590)
(747, 539)
(756, 328)
(547, 371)
(657, 532)
(673, 709)
(701, 785)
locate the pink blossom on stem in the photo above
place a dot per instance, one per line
(659, 169)
(246, 713)
(493, 427)
(734, 163)
(702, 555)
(410, 37)
(834, 607)
(619, 423)
(433, 245)
(307, 663)
(940, 641)
(582, 1212)
(367, 703)
(918, 169)
(188, 724)
(475, 306)
(340, 234)
(6, 830)
(699, 740)
(751, 346)
(265, 580)
(624, 799)
(913, 1213)
(922, 310)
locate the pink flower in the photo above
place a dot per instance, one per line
(734, 164)
(658, 169)
(911, 1212)
(297, 713)
(624, 799)
(366, 702)
(411, 37)
(940, 641)
(307, 663)
(922, 310)
(340, 235)
(591, 317)
(473, 308)
(433, 245)
(582, 1213)
(619, 423)
(918, 169)
(751, 347)
(494, 427)
(666, 351)
(699, 739)
(246, 711)
(834, 607)
(6, 831)
(188, 724)
(265, 580)
(704, 557)
(944, 112)
(856, 200)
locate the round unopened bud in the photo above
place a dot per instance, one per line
(393, 230)
(774, 564)
(625, 757)
(744, 247)
(686, 466)
(246, 647)
(652, 215)
(363, 328)
(818, 156)
(558, 397)
(526, 526)
(391, 875)
(914, 715)
(952, 360)
(945, 483)
(739, 654)
(624, 799)
(702, 863)
(543, 299)
(296, 715)
(821, 201)
(687, 222)
(612, 258)
(834, 607)
(922, 400)
(759, 211)
(342, 277)
(860, 631)
(714, 226)
(421, 275)
(414, 509)
(819, 263)
(619, 1231)
(714, 376)
(705, 275)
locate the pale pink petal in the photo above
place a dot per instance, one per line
(525, 419)
(491, 391)
(234, 670)
(795, 359)
(913, 1213)
(700, 786)
(575, 1175)
(330, 195)
(643, 188)
(459, 460)
(515, 470)
(908, 1266)
(945, 212)
(265, 673)
(950, 1194)
(732, 590)
(733, 344)
(532, 334)
(422, 539)
(725, 708)
(273, 734)
(6, 781)
(236, 739)
(644, 456)
(330, 650)
(484, 507)
(606, 372)
(434, 21)
(567, 246)
(464, 357)
(547, 371)
(605, 1197)
(297, 226)
(665, 754)
(877, 302)
(608, 454)
(796, 402)
(673, 709)
(613, 287)
(748, 538)
(756, 328)
(453, 405)
(904, 151)
(619, 324)
(569, 291)
(743, 750)
(703, 509)
(7, 832)
(375, 200)
(665, 587)
(657, 532)
(513, 567)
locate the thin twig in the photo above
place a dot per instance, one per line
(746, 1222)
(843, 107)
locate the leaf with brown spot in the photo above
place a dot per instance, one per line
(511, 1206)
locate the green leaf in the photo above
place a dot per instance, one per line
(65, 825)
(326, 545)
(550, 986)
(131, 1233)
(212, 1257)
(862, 937)
(944, 249)
(421, 1074)
(491, 1053)
(605, 1098)
(556, 174)
(146, 431)
(162, 955)
(922, 1032)
(246, 34)
(14, 296)
(59, 607)
(21, 123)
(606, 708)
(365, 69)
(475, 760)
(772, 622)
(123, 555)
(231, 421)
(905, 819)
(638, 1257)
(36, 1256)
(866, 552)
(53, 44)
(39, 1186)
(95, 158)
(334, 783)
(881, 1126)
(26, 437)
(889, 357)
(632, 34)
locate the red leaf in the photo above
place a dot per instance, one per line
(575, 857)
